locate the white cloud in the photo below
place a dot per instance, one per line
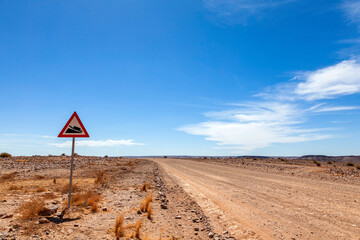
(98, 143)
(330, 82)
(241, 9)
(256, 127)
(49, 137)
(352, 10)
(336, 108)
(250, 126)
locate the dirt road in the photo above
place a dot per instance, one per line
(258, 205)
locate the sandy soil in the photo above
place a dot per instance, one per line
(265, 200)
(174, 214)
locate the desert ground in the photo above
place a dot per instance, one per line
(174, 198)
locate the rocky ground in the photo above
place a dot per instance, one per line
(33, 195)
(202, 198)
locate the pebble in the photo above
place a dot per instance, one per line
(178, 217)
(43, 220)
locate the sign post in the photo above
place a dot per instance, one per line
(73, 128)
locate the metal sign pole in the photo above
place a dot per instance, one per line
(71, 170)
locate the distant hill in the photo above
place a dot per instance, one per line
(331, 158)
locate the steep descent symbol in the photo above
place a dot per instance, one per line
(74, 128)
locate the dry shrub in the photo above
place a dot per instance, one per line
(136, 232)
(14, 187)
(84, 199)
(49, 195)
(31, 209)
(144, 187)
(149, 212)
(4, 155)
(9, 176)
(65, 188)
(40, 189)
(119, 229)
(144, 205)
(39, 177)
(101, 177)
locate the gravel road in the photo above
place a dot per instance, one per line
(258, 205)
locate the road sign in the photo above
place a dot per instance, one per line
(74, 128)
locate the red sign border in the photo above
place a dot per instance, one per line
(67, 124)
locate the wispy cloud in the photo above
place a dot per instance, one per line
(240, 10)
(27, 135)
(325, 83)
(98, 143)
(336, 108)
(330, 82)
(259, 126)
(352, 10)
(250, 126)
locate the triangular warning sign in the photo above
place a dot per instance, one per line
(74, 128)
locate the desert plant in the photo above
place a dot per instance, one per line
(31, 209)
(358, 167)
(144, 187)
(65, 188)
(119, 229)
(149, 211)
(14, 187)
(106, 156)
(145, 203)
(350, 164)
(318, 164)
(165, 156)
(84, 199)
(40, 189)
(39, 177)
(136, 233)
(8, 176)
(4, 155)
(101, 177)
(329, 162)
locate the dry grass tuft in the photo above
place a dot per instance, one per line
(84, 199)
(40, 189)
(39, 177)
(49, 195)
(65, 188)
(14, 187)
(119, 228)
(101, 177)
(4, 155)
(9, 176)
(136, 232)
(31, 209)
(144, 187)
(144, 205)
(149, 212)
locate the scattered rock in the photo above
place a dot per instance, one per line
(43, 220)
(3, 216)
(178, 217)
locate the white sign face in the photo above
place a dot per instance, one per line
(74, 128)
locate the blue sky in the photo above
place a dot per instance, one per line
(197, 77)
